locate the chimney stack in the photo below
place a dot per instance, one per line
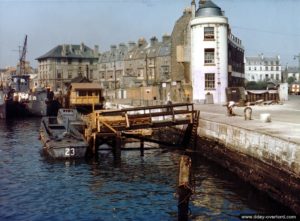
(193, 8)
(82, 47)
(96, 50)
(64, 50)
(153, 41)
(113, 48)
(131, 45)
(166, 38)
(202, 2)
(141, 42)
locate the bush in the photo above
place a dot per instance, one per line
(253, 85)
(291, 80)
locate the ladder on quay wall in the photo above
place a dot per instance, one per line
(194, 134)
(190, 133)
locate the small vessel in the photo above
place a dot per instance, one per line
(61, 135)
(37, 102)
(21, 100)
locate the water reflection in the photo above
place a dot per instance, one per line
(33, 187)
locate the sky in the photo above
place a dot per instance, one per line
(271, 27)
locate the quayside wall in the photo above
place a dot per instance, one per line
(270, 163)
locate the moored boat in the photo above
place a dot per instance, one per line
(61, 137)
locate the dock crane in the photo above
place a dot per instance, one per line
(23, 57)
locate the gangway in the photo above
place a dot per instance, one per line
(112, 125)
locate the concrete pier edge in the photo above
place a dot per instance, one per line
(268, 162)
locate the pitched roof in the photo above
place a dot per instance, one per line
(76, 86)
(261, 58)
(70, 51)
(117, 54)
(80, 79)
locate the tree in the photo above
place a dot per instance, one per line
(291, 80)
(253, 85)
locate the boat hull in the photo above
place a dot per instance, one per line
(60, 142)
(66, 152)
(37, 108)
(15, 109)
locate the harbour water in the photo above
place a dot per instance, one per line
(135, 188)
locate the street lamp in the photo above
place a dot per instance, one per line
(146, 62)
(115, 75)
(295, 57)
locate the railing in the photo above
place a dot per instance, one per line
(145, 117)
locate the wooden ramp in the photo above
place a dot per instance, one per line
(137, 122)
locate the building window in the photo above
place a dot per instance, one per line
(141, 73)
(58, 75)
(69, 74)
(102, 74)
(81, 93)
(209, 33)
(267, 77)
(277, 77)
(152, 73)
(209, 81)
(209, 56)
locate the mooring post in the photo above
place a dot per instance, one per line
(184, 190)
(118, 143)
(94, 143)
(142, 147)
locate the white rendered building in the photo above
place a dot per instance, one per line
(217, 57)
(262, 68)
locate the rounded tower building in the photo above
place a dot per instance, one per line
(209, 53)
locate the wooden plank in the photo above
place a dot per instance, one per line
(108, 126)
(116, 112)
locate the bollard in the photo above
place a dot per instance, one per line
(142, 147)
(117, 145)
(248, 113)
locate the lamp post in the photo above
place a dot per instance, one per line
(115, 76)
(146, 70)
(295, 57)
